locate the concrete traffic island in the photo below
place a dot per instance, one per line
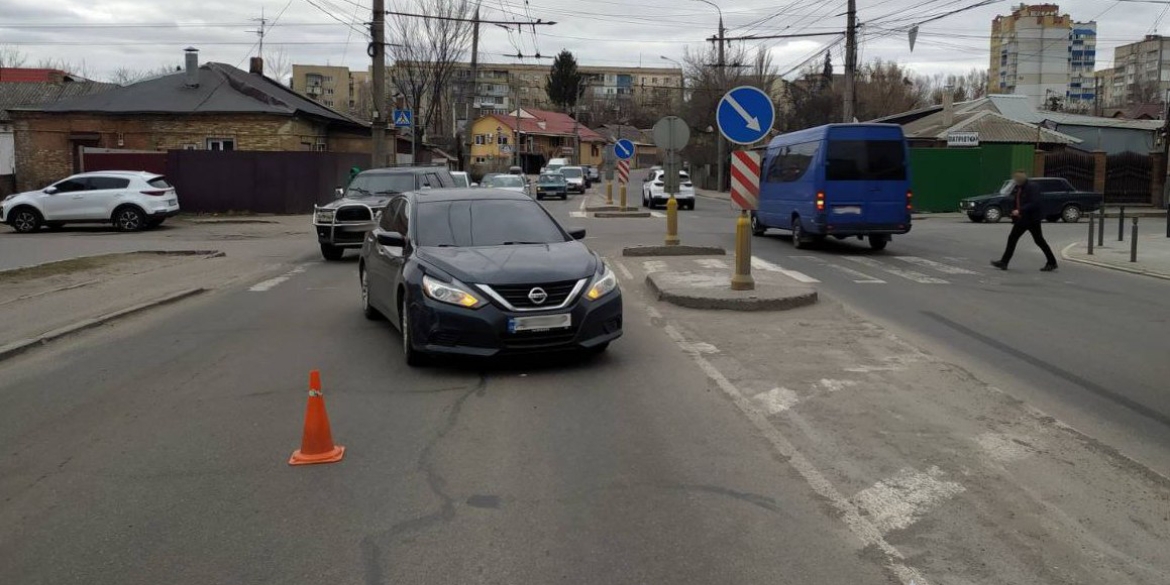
(618, 212)
(711, 289)
(680, 250)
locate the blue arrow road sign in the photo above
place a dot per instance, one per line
(402, 118)
(624, 149)
(745, 115)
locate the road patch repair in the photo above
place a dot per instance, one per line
(704, 283)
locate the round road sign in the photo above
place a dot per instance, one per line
(624, 149)
(671, 133)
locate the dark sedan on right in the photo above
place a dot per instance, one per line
(1062, 201)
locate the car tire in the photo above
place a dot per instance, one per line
(758, 228)
(332, 253)
(993, 214)
(878, 243)
(25, 220)
(129, 219)
(369, 311)
(1071, 213)
(414, 358)
(798, 238)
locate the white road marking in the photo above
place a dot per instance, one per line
(911, 275)
(654, 314)
(901, 500)
(761, 264)
(578, 214)
(582, 206)
(939, 266)
(622, 269)
(657, 214)
(700, 347)
(711, 263)
(857, 276)
(836, 385)
(654, 266)
(865, 530)
(776, 400)
(271, 283)
(1003, 448)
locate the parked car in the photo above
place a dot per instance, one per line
(552, 185)
(130, 200)
(575, 177)
(840, 180)
(515, 170)
(344, 222)
(654, 190)
(511, 281)
(1062, 201)
(462, 179)
(514, 183)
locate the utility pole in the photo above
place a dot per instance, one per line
(850, 63)
(472, 107)
(722, 148)
(378, 127)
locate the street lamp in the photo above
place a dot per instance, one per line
(681, 80)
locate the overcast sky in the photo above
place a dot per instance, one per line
(146, 34)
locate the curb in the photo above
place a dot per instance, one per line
(613, 214)
(680, 250)
(1064, 254)
(747, 303)
(18, 347)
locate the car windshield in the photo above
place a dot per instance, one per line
(461, 180)
(551, 179)
(485, 222)
(571, 172)
(505, 181)
(380, 184)
(1007, 187)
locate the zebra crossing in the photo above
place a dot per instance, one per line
(862, 270)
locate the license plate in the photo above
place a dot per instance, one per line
(847, 210)
(172, 201)
(540, 323)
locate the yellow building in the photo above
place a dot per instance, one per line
(334, 87)
(541, 135)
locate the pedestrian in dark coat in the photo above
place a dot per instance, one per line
(1028, 216)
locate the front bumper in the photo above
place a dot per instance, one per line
(483, 332)
(663, 197)
(343, 235)
(552, 193)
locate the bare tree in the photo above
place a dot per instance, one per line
(128, 76)
(78, 69)
(970, 86)
(12, 56)
(425, 52)
(277, 65)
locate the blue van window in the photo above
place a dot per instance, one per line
(865, 160)
(792, 162)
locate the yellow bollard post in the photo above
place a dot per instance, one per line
(672, 221)
(742, 279)
(622, 191)
(609, 192)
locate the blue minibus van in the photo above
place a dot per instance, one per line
(840, 180)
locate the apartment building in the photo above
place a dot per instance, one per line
(335, 87)
(1038, 52)
(1141, 72)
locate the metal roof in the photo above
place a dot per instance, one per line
(991, 126)
(21, 94)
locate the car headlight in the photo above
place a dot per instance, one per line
(451, 293)
(603, 285)
(325, 215)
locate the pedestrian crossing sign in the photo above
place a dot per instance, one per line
(402, 118)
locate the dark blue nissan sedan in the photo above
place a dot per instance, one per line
(482, 272)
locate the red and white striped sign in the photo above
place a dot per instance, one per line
(745, 179)
(623, 171)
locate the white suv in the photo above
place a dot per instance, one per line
(654, 190)
(131, 200)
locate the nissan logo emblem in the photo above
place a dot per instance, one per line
(537, 296)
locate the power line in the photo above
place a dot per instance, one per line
(471, 20)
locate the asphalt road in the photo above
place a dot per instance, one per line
(155, 452)
(1086, 344)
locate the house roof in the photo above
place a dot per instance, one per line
(222, 89)
(1139, 112)
(19, 94)
(611, 132)
(545, 123)
(1017, 107)
(33, 75)
(991, 126)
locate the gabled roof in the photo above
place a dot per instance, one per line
(34, 75)
(991, 126)
(545, 123)
(222, 89)
(19, 94)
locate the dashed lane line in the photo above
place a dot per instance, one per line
(761, 264)
(272, 283)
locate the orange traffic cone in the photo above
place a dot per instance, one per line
(317, 441)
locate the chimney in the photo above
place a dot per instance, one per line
(256, 66)
(192, 55)
(948, 105)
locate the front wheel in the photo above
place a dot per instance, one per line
(414, 358)
(758, 228)
(369, 311)
(25, 220)
(878, 242)
(993, 214)
(1071, 214)
(331, 252)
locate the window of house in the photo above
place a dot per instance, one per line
(480, 139)
(221, 144)
(502, 139)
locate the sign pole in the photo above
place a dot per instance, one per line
(671, 134)
(609, 192)
(742, 279)
(745, 116)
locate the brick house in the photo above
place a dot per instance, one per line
(214, 107)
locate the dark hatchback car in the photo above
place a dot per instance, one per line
(1062, 201)
(482, 272)
(343, 223)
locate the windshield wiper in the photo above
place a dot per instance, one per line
(387, 192)
(360, 190)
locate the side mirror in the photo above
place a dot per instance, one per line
(391, 239)
(339, 192)
(577, 233)
(51, 190)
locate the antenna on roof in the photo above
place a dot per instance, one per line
(260, 31)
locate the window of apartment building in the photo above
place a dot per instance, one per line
(221, 144)
(329, 103)
(328, 79)
(653, 81)
(328, 91)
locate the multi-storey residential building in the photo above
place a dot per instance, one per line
(1038, 52)
(1142, 72)
(335, 87)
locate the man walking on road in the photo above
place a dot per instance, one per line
(1028, 216)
